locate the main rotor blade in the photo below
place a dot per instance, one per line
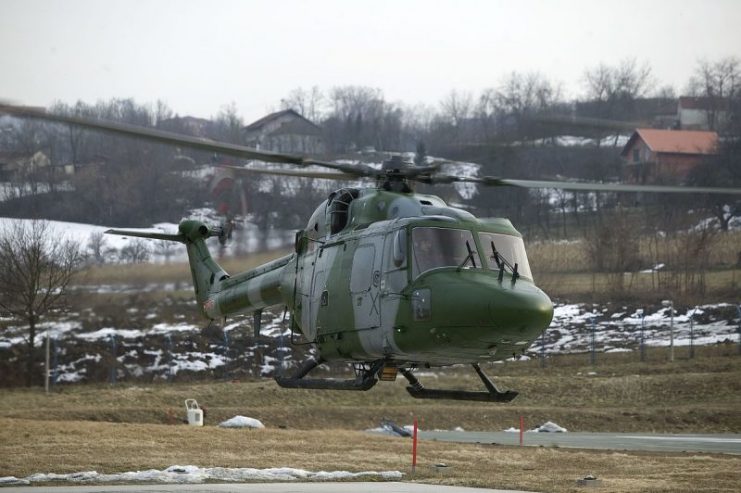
(494, 181)
(172, 138)
(583, 121)
(614, 187)
(325, 175)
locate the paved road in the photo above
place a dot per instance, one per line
(720, 443)
(315, 487)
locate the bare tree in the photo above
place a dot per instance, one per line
(229, 124)
(308, 103)
(719, 79)
(613, 247)
(719, 82)
(456, 107)
(627, 80)
(36, 267)
(97, 247)
(166, 249)
(135, 252)
(526, 93)
(360, 117)
(523, 95)
(615, 88)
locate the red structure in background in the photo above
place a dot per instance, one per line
(654, 155)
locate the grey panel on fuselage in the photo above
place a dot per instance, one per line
(365, 284)
(393, 281)
(305, 284)
(319, 285)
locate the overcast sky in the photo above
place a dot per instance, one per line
(198, 55)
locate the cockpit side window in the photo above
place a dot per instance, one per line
(339, 206)
(442, 247)
(505, 250)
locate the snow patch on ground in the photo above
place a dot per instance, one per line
(547, 427)
(574, 325)
(247, 237)
(195, 474)
(459, 168)
(241, 422)
(157, 329)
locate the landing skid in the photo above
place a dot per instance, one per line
(493, 394)
(365, 379)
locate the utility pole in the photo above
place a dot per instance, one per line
(643, 337)
(738, 329)
(46, 365)
(592, 355)
(671, 331)
(692, 334)
(542, 350)
(670, 304)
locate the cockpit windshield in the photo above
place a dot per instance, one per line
(505, 250)
(440, 247)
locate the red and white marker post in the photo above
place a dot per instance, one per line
(414, 447)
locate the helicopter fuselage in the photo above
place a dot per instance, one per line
(401, 277)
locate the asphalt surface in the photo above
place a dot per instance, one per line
(315, 487)
(717, 443)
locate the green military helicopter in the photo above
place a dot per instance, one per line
(381, 277)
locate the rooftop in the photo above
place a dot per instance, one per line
(258, 124)
(703, 103)
(675, 141)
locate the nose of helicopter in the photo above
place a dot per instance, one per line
(478, 301)
(460, 316)
(522, 307)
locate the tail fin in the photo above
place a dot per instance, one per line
(193, 235)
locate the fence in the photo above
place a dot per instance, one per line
(597, 334)
(231, 354)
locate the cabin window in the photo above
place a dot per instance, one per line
(400, 247)
(339, 208)
(505, 249)
(362, 268)
(636, 155)
(442, 247)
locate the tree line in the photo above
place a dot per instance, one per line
(125, 182)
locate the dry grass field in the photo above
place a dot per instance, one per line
(572, 256)
(67, 446)
(562, 269)
(618, 394)
(176, 272)
(131, 427)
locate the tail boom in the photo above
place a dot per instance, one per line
(217, 293)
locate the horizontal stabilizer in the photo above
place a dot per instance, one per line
(148, 233)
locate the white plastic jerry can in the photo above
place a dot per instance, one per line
(195, 413)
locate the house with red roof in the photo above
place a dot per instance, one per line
(666, 156)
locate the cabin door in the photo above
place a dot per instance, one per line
(365, 283)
